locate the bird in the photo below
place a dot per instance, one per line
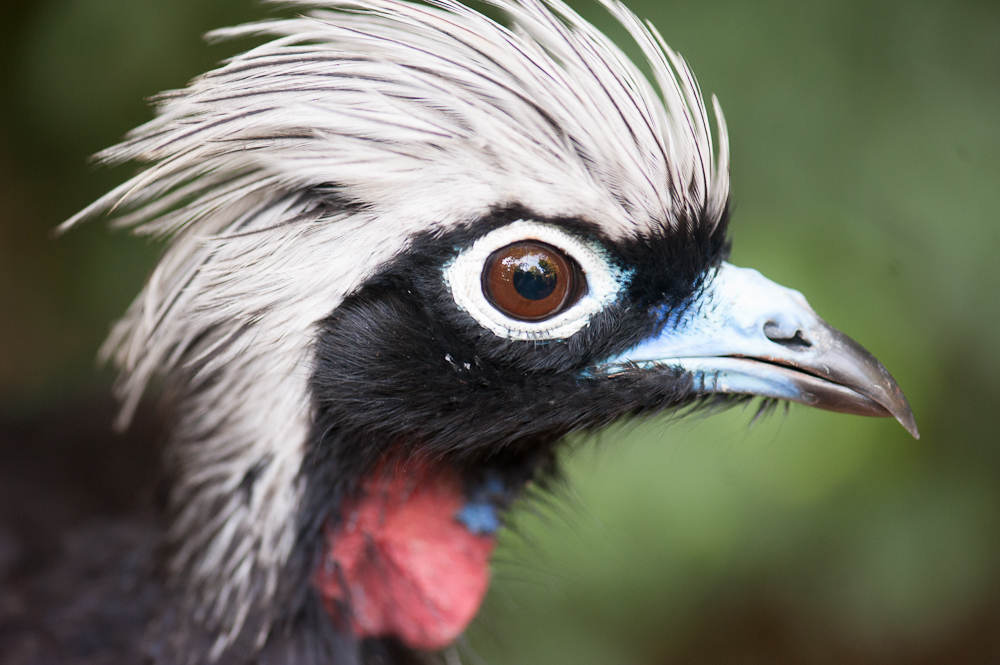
(409, 248)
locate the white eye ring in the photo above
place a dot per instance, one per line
(464, 275)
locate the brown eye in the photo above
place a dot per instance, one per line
(532, 281)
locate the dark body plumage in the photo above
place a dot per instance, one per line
(77, 537)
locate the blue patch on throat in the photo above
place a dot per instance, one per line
(479, 518)
(480, 514)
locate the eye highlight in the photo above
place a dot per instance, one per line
(531, 281)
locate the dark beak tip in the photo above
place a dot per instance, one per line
(908, 422)
(893, 404)
(898, 407)
(860, 371)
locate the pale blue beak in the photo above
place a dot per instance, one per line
(746, 335)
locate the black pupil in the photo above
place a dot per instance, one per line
(534, 277)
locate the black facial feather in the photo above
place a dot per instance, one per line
(399, 364)
(400, 368)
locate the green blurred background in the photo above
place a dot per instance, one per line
(866, 173)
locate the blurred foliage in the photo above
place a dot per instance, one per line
(866, 173)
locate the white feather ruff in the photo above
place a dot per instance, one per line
(428, 118)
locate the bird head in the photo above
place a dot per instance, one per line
(410, 249)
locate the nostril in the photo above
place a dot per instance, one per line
(780, 335)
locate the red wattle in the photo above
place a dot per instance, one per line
(399, 564)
